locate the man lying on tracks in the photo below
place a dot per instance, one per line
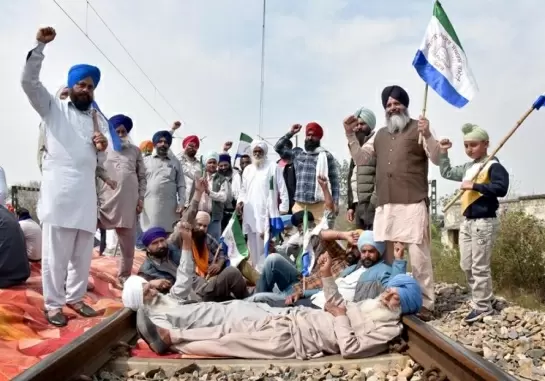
(257, 331)
(211, 280)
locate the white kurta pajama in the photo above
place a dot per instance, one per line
(254, 193)
(68, 202)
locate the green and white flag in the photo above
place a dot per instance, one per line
(442, 62)
(244, 145)
(233, 243)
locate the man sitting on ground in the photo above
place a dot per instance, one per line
(211, 281)
(14, 266)
(248, 330)
(33, 235)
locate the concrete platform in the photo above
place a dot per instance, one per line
(125, 365)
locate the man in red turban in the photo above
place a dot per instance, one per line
(191, 167)
(310, 163)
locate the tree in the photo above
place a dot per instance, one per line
(27, 199)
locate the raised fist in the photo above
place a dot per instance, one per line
(46, 35)
(295, 128)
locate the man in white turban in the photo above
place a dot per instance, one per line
(262, 185)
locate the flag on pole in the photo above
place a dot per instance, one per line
(243, 145)
(305, 262)
(540, 101)
(233, 243)
(275, 225)
(442, 63)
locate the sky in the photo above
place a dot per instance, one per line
(323, 60)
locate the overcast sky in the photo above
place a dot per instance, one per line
(324, 59)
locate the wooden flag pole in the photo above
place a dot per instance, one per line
(424, 107)
(502, 142)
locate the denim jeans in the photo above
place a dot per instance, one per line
(214, 229)
(277, 270)
(139, 245)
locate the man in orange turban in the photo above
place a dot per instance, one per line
(146, 147)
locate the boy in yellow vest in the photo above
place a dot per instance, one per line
(479, 205)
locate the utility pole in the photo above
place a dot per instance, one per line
(297, 140)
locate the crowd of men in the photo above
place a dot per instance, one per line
(175, 208)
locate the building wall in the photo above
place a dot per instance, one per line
(533, 205)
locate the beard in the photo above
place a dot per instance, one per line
(311, 145)
(81, 101)
(125, 142)
(258, 161)
(361, 135)
(366, 263)
(378, 312)
(162, 151)
(161, 253)
(397, 122)
(199, 238)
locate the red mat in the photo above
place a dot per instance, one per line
(25, 335)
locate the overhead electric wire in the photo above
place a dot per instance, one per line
(132, 58)
(110, 61)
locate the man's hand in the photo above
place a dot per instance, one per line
(334, 309)
(350, 124)
(160, 284)
(466, 185)
(46, 35)
(227, 146)
(295, 129)
(214, 269)
(324, 261)
(399, 250)
(177, 124)
(186, 231)
(292, 299)
(424, 127)
(445, 145)
(111, 183)
(200, 185)
(100, 141)
(323, 182)
(351, 237)
(139, 206)
(179, 209)
(239, 207)
(350, 215)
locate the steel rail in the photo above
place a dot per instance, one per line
(441, 358)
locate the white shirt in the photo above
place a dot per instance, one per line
(3, 187)
(33, 239)
(67, 194)
(346, 286)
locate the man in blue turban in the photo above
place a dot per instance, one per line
(120, 206)
(68, 197)
(166, 190)
(361, 198)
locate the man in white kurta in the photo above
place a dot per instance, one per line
(256, 199)
(68, 202)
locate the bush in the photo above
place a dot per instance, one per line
(518, 261)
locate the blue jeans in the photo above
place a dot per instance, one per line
(214, 229)
(277, 270)
(139, 245)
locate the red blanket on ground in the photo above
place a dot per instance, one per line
(25, 335)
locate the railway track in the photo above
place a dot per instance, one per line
(442, 358)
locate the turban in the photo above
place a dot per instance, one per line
(120, 119)
(472, 132)
(224, 157)
(191, 139)
(133, 292)
(152, 234)
(202, 218)
(261, 144)
(146, 145)
(367, 116)
(316, 130)
(396, 92)
(409, 292)
(212, 155)
(368, 238)
(162, 134)
(23, 214)
(79, 72)
(297, 218)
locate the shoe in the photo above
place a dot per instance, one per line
(83, 309)
(58, 320)
(424, 314)
(149, 333)
(475, 315)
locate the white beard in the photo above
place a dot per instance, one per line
(258, 162)
(376, 311)
(398, 122)
(125, 142)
